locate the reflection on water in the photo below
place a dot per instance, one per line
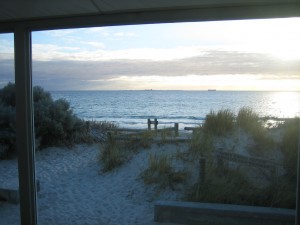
(287, 103)
(188, 108)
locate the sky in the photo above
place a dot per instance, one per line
(223, 55)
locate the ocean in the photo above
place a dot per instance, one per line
(131, 109)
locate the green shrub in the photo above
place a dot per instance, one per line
(160, 172)
(219, 123)
(7, 130)
(8, 95)
(55, 123)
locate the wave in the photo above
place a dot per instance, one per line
(148, 117)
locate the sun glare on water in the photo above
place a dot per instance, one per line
(288, 103)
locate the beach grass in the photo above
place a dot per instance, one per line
(138, 140)
(250, 122)
(111, 155)
(223, 183)
(201, 143)
(166, 135)
(289, 146)
(161, 172)
(219, 123)
(227, 186)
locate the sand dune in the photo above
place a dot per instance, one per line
(75, 191)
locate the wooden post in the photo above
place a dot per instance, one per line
(176, 128)
(155, 123)
(149, 124)
(202, 165)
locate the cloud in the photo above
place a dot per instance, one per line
(83, 74)
(113, 74)
(94, 51)
(94, 44)
(60, 33)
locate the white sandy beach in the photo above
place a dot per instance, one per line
(75, 191)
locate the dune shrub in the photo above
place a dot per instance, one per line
(161, 172)
(7, 120)
(8, 95)
(219, 123)
(7, 130)
(55, 123)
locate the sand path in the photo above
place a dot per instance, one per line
(75, 191)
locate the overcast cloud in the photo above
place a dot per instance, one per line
(146, 56)
(75, 74)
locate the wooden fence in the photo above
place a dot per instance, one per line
(248, 160)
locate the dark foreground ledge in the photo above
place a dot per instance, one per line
(191, 213)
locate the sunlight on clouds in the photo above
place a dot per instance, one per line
(220, 82)
(47, 52)
(223, 55)
(54, 52)
(95, 44)
(279, 37)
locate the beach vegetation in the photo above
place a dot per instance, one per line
(135, 141)
(7, 130)
(102, 125)
(167, 135)
(146, 139)
(289, 147)
(280, 192)
(219, 123)
(249, 122)
(227, 186)
(232, 186)
(54, 121)
(111, 155)
(161, 173)
(201, 143)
